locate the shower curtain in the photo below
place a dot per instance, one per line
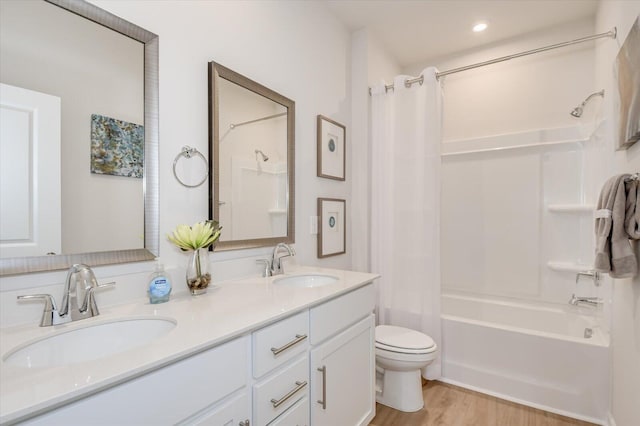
(405, 202)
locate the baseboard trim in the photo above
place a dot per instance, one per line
(610, 420)
(530, 404)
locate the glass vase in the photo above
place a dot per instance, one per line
(198, 275)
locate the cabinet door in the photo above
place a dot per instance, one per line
(234, 412)
(342, 377)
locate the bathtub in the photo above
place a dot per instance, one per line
(533, 355)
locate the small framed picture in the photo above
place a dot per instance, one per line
(331, 230)
(331, 149)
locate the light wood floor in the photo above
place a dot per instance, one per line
(448, 405)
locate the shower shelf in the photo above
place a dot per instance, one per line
(571, 208)
(568, 267)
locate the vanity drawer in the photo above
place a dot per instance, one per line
(165, 396)
(282, 389)
(298, 415)
(336, 315)
(276, 344)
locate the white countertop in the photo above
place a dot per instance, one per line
(228, 310)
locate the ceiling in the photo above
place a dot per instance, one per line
(413, 31)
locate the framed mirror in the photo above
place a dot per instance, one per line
(92, 196)
(252, 152)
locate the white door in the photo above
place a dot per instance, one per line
(30, 213)
(343, 374)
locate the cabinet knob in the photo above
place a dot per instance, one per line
(245, 423)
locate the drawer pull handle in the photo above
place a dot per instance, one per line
(278, 402)
(323, 401)
(299, 338)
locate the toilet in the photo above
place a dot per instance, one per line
(401, 354)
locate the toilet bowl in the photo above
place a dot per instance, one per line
(401, 354)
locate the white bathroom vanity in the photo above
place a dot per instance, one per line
(253, 351)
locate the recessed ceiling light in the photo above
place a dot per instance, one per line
(480, 26)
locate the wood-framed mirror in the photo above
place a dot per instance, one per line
(90, 219)
(252, 161)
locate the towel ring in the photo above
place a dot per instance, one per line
(188, 152)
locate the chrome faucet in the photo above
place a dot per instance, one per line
(276, 261)
(70, 311)
(590, 301)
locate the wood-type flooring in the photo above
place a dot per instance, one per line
(448, 405)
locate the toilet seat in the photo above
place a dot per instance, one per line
(403, 340)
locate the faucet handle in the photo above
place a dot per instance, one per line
(49, 301)
(266, 272)
(50, 314)
(89, 302)
(104, 285)
(595, 276)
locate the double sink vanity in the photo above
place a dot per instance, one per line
(289, 349)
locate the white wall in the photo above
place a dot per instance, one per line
(625, 324)
(295, 48)
(531, 92)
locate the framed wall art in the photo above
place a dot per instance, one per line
(627, 71)
(117, 147)
(331, 149)
(331, 230)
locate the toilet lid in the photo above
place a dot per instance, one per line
(402, 338)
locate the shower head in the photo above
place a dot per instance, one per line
(577, 111)
(262, 154)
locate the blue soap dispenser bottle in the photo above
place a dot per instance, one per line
(159, 285)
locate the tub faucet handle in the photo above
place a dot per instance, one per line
(595, 276)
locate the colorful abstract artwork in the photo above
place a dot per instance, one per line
(117, 147)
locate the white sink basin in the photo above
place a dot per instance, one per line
(89, 343)
(307, 281)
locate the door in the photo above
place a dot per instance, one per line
(29, 173)
(343, 377)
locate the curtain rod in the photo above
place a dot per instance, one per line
(611, 34)
(233, 126)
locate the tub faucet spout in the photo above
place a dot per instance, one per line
(589, 301)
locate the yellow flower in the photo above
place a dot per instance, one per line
(200, 235)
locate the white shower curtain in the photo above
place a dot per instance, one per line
(405, 202)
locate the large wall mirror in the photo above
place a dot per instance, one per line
(252, 151)
(78, 137)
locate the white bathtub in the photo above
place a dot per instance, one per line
(536, 356)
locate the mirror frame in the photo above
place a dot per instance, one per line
(151, 189)
(216, 72)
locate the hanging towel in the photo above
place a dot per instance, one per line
(614, 253)
(632, 213)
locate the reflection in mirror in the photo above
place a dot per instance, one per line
(252, 132)
(81, 84)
